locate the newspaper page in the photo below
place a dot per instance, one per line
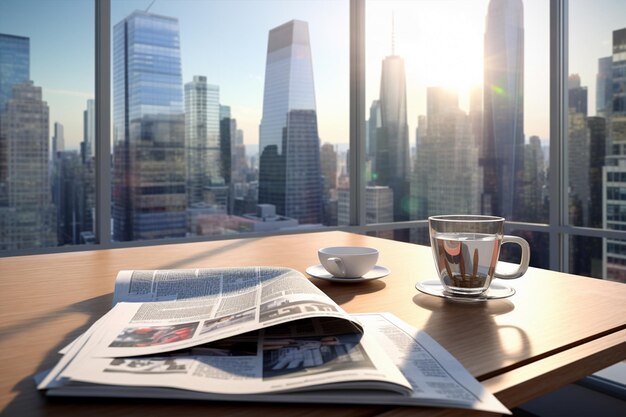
(191, 307)
(435, 377)
(279, 359)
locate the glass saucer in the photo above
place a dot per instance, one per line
(496, 291)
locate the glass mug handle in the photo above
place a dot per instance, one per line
(523, 266)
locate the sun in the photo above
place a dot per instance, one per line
(441, 42)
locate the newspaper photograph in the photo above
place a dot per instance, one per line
(252, 363)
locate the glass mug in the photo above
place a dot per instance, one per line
(466, 250)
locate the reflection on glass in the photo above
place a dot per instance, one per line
(47, 195)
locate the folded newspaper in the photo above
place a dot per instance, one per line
(256, 334)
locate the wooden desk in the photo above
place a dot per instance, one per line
(556, 329)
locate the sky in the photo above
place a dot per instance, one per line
(440, 40)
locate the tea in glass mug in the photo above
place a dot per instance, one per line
(466, 249)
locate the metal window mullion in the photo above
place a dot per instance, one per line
(103, 122)
(357, 113)
(558, 135)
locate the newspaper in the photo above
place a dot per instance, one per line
(256, 334)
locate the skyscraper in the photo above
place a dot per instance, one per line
(502, 149)
(289, 171)
(328, 160)
(446, 179)
(89, 131)
(603, 86)
(392, 161)
(577, 97)
(58, 139)
(578, 154)
(14, 65)
(149, 196)
(618, 65)
(373, 123)
(27, 215)
(202, 131)
(613, 174)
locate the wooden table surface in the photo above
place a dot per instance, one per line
(556, 329)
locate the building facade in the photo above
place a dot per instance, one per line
(14, 65)
(202, 131)
(502, 149)
(27, 215)
(149, 195)
(289, 171)
(391, 166)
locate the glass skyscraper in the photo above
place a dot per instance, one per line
(14, 65)
(289, 172)
(27, 215)
(202, 130)
(503, 143)
(149, 196)
(391, 166)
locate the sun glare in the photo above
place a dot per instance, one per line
(441, 43)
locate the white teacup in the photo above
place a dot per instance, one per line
(348, 261)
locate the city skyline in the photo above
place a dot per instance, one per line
(67, 86)
(462, 155)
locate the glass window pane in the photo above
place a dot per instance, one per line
(458, 107)
(597, 113)
(228, 116)
(47, 177)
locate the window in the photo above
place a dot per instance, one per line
(596, 134)
(210, 138)
(47, 124)
(228, 116)
(458, 109)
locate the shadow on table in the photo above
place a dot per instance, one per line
(464, 319)
(342, 293)
(28, 400)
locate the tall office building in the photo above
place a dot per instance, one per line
(149, 196)
(618, 72)
(58, 146)
(373, 124)
(27, 215)
(58, 139)
(88, 147)
(392, 156)
(533, 182)
(578, 151)
(447, 180)
(577, 97)
(328, 160)
(503, 143)
(597, 154)
(202, 137)
(614, 203)
(240, 162)
(604, 80)
(14, 65)
(289, 171)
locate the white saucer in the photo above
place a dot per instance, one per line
(496, 290)
(318, 271)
